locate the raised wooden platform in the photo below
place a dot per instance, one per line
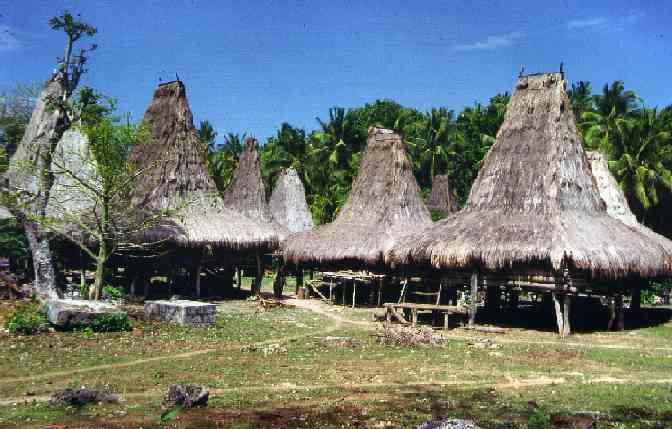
(392, 307)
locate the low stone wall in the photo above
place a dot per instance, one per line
(182, 312)
(67, 313)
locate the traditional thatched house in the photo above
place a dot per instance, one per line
(384, 204)
(246, 193)
(175, 178)
(442, 199)
(288, 203)
(535, 210)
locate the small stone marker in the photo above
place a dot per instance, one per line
(66, 313)
(182, 312)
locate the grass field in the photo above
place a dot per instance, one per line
(522, 378)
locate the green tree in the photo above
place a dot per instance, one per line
(208, 136)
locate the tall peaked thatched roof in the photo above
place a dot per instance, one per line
(535, 202)
(384, 204)
(176, 178)
(288, 202)
(246, 193)
(614, 198)
(442, 198)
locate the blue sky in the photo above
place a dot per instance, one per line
(250, 65)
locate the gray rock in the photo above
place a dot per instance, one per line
(80, 397)
(186, 395)
(66, 313)
(449, 424)
(182, 312)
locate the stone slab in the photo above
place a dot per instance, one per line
(66, 313)
(182, 312)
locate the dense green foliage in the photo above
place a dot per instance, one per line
(111, 323)
(27, 319)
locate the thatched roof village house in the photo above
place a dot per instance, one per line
(176, 178)
(288, 203)
(246, 193)
(384, 204)
(535, 211)
(442, 199)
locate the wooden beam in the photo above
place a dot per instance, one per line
(474, 296)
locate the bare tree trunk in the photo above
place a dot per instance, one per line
(45, 274)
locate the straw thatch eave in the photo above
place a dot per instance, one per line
(175, 178)
(535, 202)
(442, 199)
(384, 204)
(288, 203)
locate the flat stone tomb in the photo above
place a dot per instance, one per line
(67, 313)
(182, 312)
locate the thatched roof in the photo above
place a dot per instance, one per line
(535, 201)
(288, 202)
(383, 205)
(176, 178)
(246, 192)
(614, 198)
(442, 198)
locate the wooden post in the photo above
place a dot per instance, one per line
(445, 320)
(636, 300)
(331, 291)
(474, 296)
(558, 315)
(197, 274)
(612, 313)
(566, 327)
(388, 317)
(402, 297)
(343, 283)
(239, 277)
(299, 278)
(380, 290)
(146, 283)
(259, 275)
(414, 317)
(134, 282)
(279, 282)
(620, 319)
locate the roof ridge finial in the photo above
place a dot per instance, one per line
(522, 70)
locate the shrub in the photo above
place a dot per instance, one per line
(111, 323)
(27, 319)
(112, 291)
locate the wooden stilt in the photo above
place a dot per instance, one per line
(259, 275)
(558, 315)
(402, 296)
(414, 317)
(388, 317)
(636, 300)
(620, 314)
(566, 326)
(134, 282)
(331, 291)
(343, 284)
(612, 313)
(146, 283)
(445, 321)
(299, 278)
(197, 274)
(239, 277)
(380, 290)
(354, 292)
(474, 297)
(279, 282)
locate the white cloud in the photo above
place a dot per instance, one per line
(584, 23)
(8, 41)
(492, 42)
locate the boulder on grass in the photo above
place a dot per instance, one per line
(81, 397)
(182, 312)
(449, 424)
(69, 313)
(187, 396)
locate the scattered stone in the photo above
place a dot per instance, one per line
(67, 313)
(187, 396)
(483, 343)
(449, 424)
(80, 397)
(408, 336)
(182, 312)
(265, 349)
